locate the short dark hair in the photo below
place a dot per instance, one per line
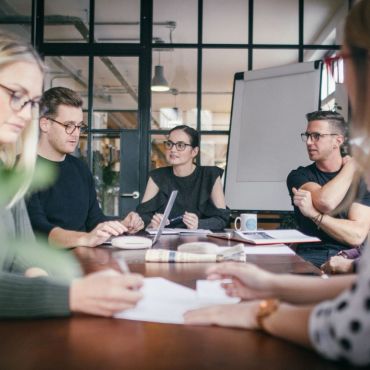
(51, 99)
(335, 120)
(193, 134)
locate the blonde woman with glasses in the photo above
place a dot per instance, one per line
(21, 78)
(332, 315)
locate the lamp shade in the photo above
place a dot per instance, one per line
(159, 83)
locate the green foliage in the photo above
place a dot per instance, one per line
(22, 254)
(59, 264)
(11, 180)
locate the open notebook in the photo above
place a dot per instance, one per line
(264, 237)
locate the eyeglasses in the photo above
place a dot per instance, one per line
(71, 127)
(180, 145)
(19, 100)
(314, 136)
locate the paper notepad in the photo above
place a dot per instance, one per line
(166, 302)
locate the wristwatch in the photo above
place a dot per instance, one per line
(265, 309)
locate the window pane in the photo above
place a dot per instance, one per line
(10, 10)
(178, 105)
(66, 21)
(275, 22)
(115, 92)
(323, 21)
(157, 153)
(175, 21)
(213, 150)
(218, 15)
(106, 169)
(118, 22)
(333, 95)
(71, 72)
(217, 85)
(273, 58)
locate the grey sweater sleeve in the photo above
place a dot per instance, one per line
(23, 297)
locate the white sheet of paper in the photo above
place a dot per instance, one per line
(166, 302)
(266, 249)
(211, 290)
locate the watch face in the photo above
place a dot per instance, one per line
(266, 308)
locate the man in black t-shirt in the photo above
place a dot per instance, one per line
(68, 212)
(317, 190)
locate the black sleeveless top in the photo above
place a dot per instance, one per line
(194, 196)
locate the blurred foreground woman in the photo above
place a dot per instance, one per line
(21, 78)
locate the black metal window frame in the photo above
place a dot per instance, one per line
(144, 49)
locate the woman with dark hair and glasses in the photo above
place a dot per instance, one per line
(200, 203)
(332, 315)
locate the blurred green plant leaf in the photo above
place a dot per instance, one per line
(10, 182)
(22, 254)
(45, 174)
(12, 179)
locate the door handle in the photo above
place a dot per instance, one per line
(134, 195)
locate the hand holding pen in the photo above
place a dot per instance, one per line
(176, 219)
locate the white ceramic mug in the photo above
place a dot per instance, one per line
(248, 222)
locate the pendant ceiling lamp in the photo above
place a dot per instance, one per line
(159, 82)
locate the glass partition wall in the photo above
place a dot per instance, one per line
(115, 52)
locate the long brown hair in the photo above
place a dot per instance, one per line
(357, 40)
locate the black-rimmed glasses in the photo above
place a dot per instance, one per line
(314, 136)
(70, 127)
(180, 145)
(19, 100)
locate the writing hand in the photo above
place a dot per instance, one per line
(105, 293)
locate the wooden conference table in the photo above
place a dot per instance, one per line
(88, 343)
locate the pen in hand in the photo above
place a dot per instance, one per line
(122, 264)
(178, 218)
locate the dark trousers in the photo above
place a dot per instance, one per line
(318, 254)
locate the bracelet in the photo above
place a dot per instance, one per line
(265, 309)
(319, 222)
(318, 219)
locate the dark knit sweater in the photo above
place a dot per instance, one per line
(194, 196)
(70, 203)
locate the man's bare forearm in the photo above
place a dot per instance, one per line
(67, 238)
